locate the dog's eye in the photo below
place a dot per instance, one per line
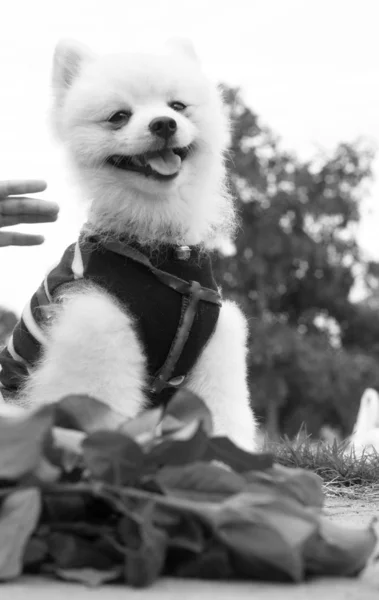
(119, 117)
(178, 106)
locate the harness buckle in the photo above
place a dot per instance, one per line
(176, 381)
(183, 253)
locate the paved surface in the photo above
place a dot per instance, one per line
(358, 512)
(366, 588)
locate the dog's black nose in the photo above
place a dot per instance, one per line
(163, 127)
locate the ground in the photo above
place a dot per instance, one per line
(356, 510)
(356, 507)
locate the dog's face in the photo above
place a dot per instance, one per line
(142, 130)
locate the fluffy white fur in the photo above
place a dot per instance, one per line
(193, 208)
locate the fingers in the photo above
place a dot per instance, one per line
(16, 208)
(9, 220)
(27, 206)
(15, 187)
(11, 238)
(22, 206)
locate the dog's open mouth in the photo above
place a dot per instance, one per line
(161, 164)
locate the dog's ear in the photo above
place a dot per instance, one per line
(69, 58)
(184, 46)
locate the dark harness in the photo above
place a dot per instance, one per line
(171, 296)
(190, 309)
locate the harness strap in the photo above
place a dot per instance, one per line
(192, 293)
(189, 309)
(176, 283)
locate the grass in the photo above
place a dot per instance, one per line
(343, 471)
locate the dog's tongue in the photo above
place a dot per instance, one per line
(165, 163)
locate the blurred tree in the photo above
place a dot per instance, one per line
(296, 261)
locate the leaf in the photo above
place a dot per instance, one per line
(185, 407)
(265, 535)
(145, 551)
(69, 440)
(36, 552)
(172, 424)
(70, 551)
(46, 472)
(143, 427)
(21, 441)
(90, 577)
(212, 563)
(19, 516)
(303, 486)
(339, 550)
(178, 452)
(180, 431)
(64, 448)
(113, 457)
(200, 481)
(66, 507)
(224, 450)
(187, 534)
(85, 413)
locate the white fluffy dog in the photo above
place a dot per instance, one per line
(145, 135)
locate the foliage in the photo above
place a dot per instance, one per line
(152, 498)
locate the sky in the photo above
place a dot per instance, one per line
(308, 68)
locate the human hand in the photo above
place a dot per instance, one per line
(16, 208)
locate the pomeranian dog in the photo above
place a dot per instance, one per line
(132, 312)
